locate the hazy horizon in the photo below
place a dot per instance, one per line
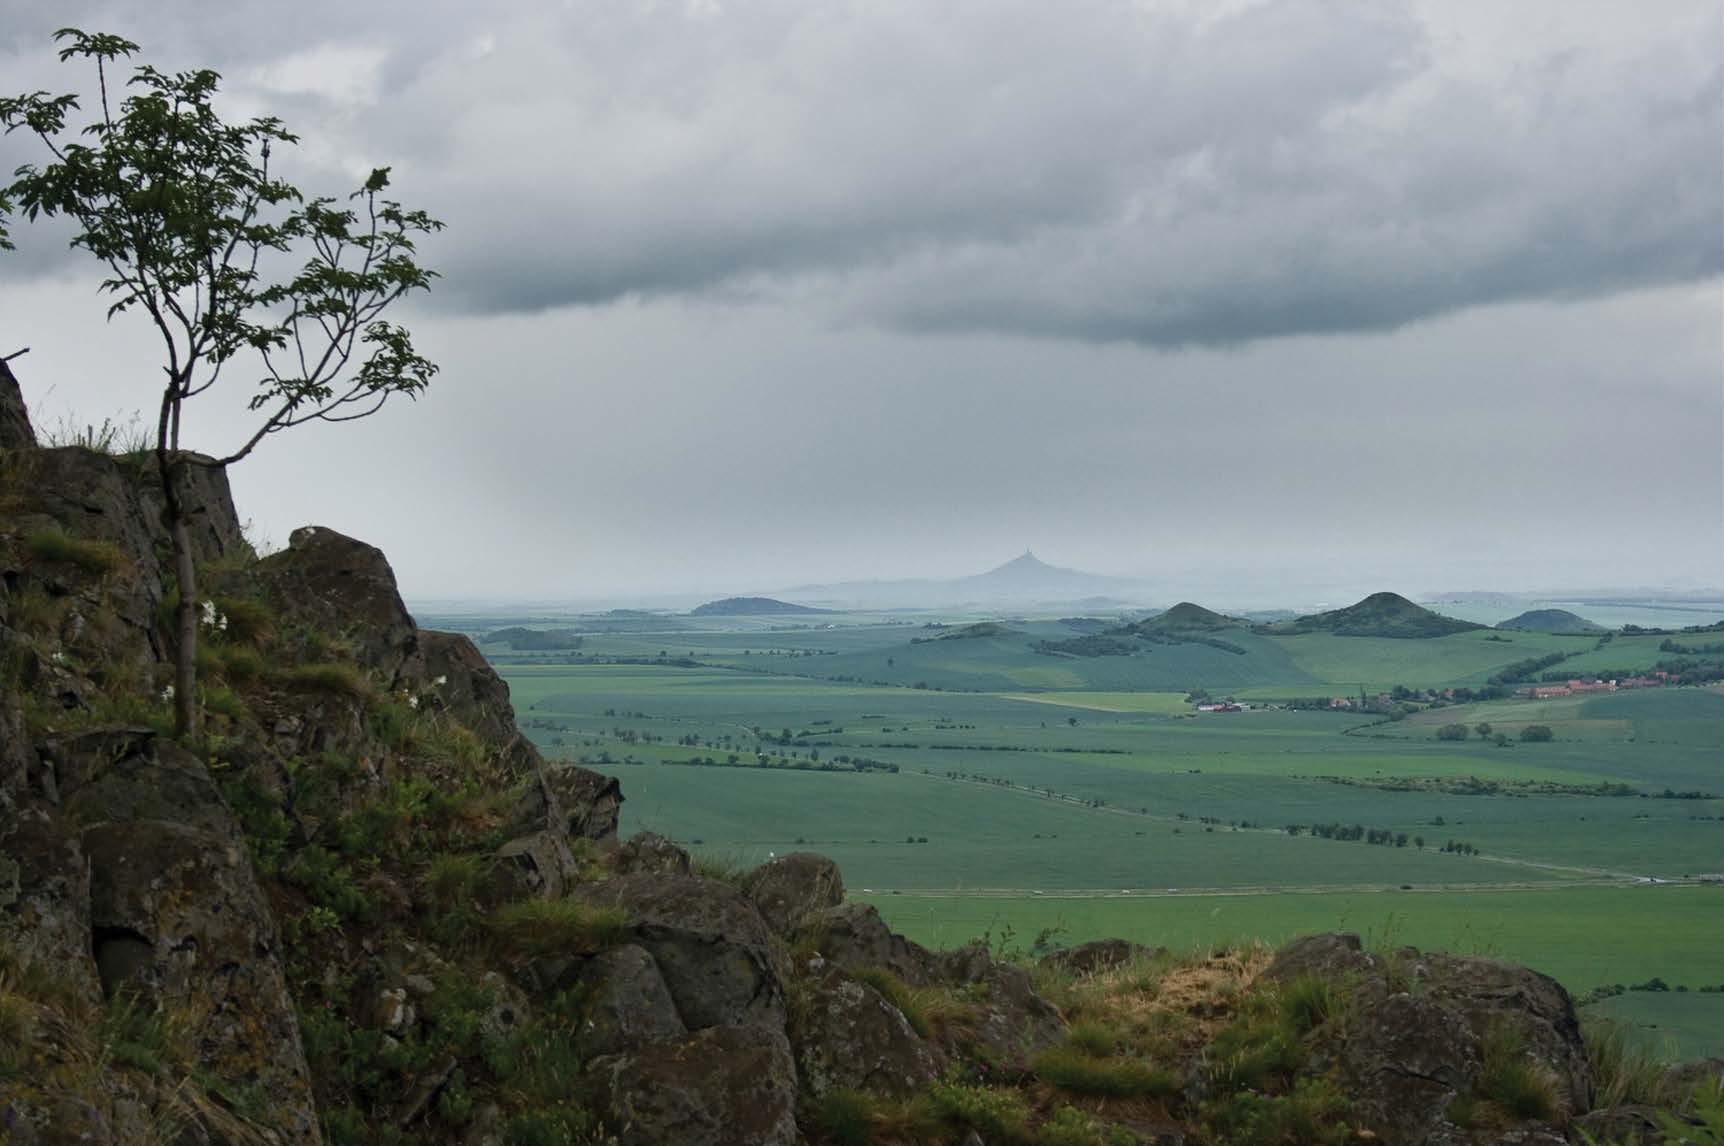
(1244, 299)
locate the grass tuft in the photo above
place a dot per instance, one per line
(53, 546)
(1307, 1003)
(1513, 1081)
(1071, 1069)
(571, 926)
(331, 679)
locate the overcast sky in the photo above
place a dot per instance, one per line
(744, 295)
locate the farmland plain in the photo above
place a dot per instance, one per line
(1007, 791)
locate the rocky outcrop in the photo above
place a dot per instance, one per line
(344, 591)
(16, 433)
(854, 937)
(1441, 1027)
(136, 883)
(709, 942)
(1011, 1024)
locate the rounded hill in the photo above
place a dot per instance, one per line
(1379, 615)
(1558, 621)
(752, 607)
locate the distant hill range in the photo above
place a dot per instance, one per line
(1558, 621)
(1024, 579)
(1379, 615)
(753, 607)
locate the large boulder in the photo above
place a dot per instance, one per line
(721, 1086)
(1428, 1025)
(1011, 1024)
(581, 804)
(624, 1003)
(1531, 1008)
(344, 590)
(649, 852)
(1099, 955)
(854, 937)
(456, 677)
(846, 1035)
(709, 942)
(793, 889)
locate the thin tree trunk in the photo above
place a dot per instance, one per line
(186, 711)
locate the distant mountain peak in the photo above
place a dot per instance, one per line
(1025, 560)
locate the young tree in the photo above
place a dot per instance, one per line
(197, 234)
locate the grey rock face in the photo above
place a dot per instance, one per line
(1427, 1021)
(627, 1003)
(648, 853)
(845, 1034)
(722, 1086)
(16, 432)
(791, 890)
(336, 585)
(710, 945)
(854, 937)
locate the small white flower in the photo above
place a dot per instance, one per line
(168, 694)
(441, 681)
(412, 702)
(59, 657)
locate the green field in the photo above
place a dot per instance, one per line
(1670, 1024)
(1009, 788)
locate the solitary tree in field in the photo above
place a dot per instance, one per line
(238, 272)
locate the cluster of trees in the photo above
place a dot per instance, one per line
(1655, 985)
(1669, 646)
(812, 764)
(1382, 837)
(1531, 733)
(1521, 671)
(1692, 670)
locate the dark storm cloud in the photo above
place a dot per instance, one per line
(1163, 173)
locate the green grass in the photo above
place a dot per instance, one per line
(1670, 1025)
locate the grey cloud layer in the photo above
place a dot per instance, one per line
(1164, 173)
